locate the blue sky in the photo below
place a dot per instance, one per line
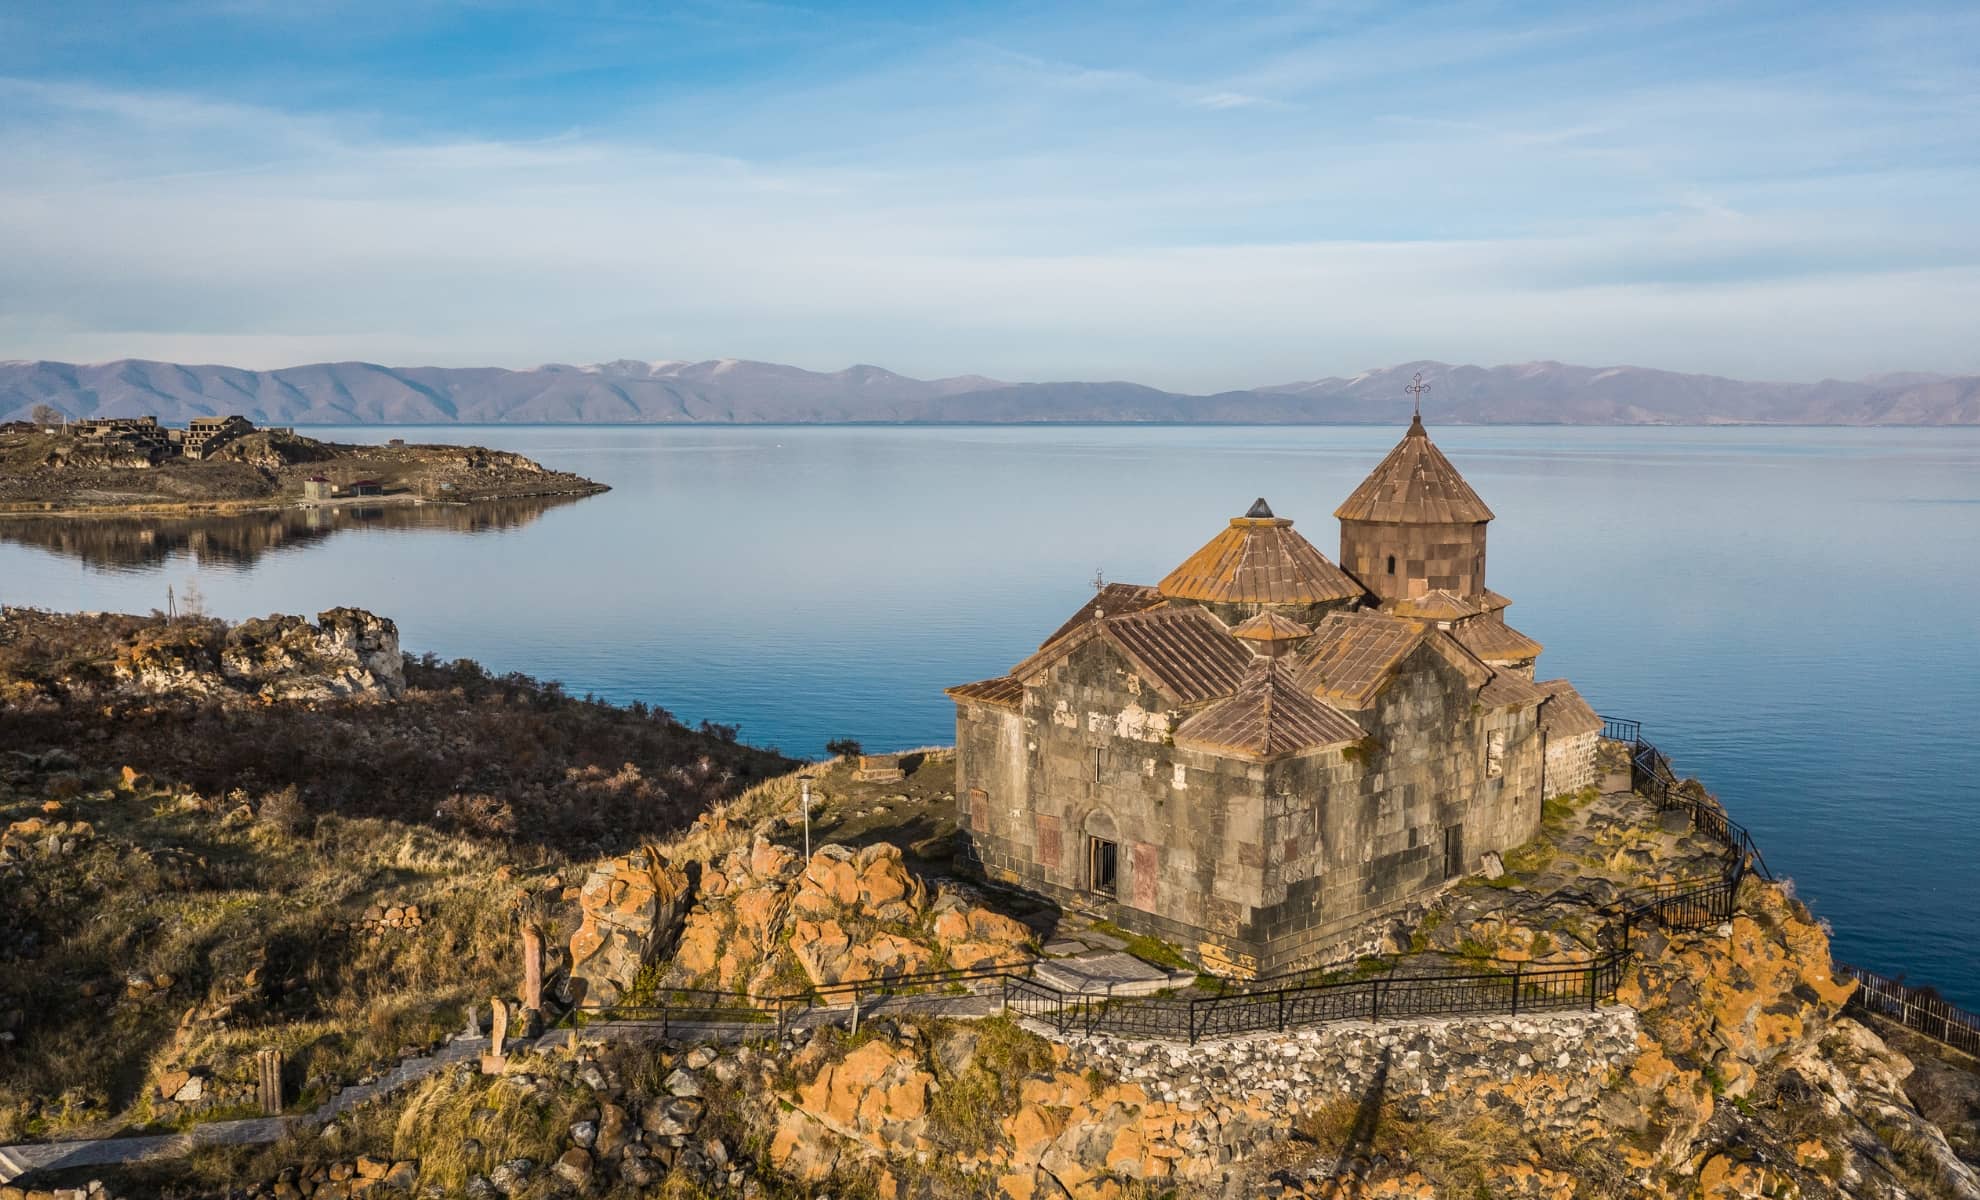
(1193, 195)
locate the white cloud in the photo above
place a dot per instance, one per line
(1224, 100)
(1026, 216)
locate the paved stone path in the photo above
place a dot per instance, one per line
(16, 1161)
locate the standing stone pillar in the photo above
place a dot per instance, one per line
(532, 987)
(494, 1060)
(268, 1063)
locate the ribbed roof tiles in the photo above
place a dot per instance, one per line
(1113, 599)
(1269, 626)
(1354, 654)
(1003, 692)
(1491, 639)
(1415, 485)
(1270, 715)
(1566, 714)
(1507, 690)
(1440, 604)
(1186, 649)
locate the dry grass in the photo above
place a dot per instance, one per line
(170, 888)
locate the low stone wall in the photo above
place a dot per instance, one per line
(1551, 1068)
(1571, 763)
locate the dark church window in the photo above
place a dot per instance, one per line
(1102, 865)
(1453, 851)
(1392, 564)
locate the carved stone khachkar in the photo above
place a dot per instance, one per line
(493, 1062)
(268, 1065)
(532, 988)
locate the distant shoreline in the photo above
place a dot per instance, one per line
(733, 391)
(235, 508)
(54, 472)
(1120, 424)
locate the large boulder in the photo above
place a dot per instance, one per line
(633, 907)
(978, 939)
(367, 644)
(823, 949)
(830, 882)
(877, 1094)
(888, 891)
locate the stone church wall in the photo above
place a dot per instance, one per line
(1253, 867)
(1377, 836)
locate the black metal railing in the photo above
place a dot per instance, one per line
(1915, 1008)
(1651, 773)
(674, 1006)
(678, 1006)
(1621, 729)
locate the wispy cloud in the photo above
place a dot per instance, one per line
(1198, 206)
(1224, 100)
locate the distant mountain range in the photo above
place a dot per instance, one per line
(734, 391)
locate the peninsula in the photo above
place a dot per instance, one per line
(135, 465)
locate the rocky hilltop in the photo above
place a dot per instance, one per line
(54, 471)
(347, 652)
(503, 943)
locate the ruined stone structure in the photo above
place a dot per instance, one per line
(1265, 750)
(204, 435)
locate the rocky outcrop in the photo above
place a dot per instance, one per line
(632, 907)
(348, 652)
(876, 1097)
(765, 919)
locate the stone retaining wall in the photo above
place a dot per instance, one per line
(1550, 1067)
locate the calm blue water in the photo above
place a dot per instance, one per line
(1793, 614)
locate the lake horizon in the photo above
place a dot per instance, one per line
(1786, 608)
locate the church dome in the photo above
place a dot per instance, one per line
(1415, 485)
(1258, 559)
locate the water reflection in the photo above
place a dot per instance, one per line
(242, 539)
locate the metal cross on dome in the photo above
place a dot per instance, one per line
(1416, 389)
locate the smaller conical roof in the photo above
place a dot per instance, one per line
(1415, 485)
(1259, 560)
(1271, 627)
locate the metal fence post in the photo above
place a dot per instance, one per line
(1374, 1000)
(1515, 998)
(1282, 1010)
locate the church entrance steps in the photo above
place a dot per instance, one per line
(1108, 973)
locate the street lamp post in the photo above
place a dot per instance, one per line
(806, 784)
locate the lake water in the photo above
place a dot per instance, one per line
(1794, 614)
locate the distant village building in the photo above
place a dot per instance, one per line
(365, 487)
(316, 487)
(204, 435)
(142, 437)
(1259, 753)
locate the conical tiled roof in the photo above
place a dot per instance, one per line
(1270, 627)
(1270, 715)
(1415, 485)
(1259, 560)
